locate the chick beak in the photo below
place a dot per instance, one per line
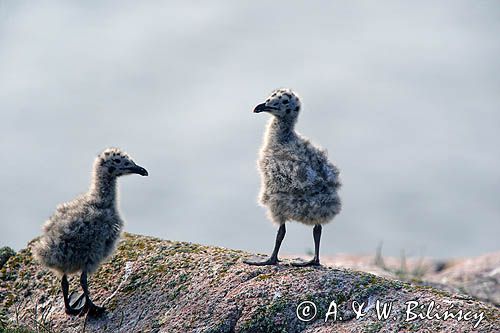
(260, 108)
(263, 108)
(138, 170)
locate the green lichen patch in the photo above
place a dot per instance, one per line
(158, 285)
(274, 318)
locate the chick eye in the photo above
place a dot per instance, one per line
(116, 160)
(285, 101)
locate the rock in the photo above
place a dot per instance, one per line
(153, 285)
(478, 277)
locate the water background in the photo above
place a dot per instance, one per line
(405, 97)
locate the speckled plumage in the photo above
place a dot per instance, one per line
(298, 182)
(83, 232)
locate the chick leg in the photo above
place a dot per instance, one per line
(273, 260)
(71, 308)
(315, 261)
(93, 309)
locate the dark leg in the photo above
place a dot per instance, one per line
(273, 260)
(315, 260)
(71, 308)
(93, 309)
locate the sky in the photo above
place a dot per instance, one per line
(403, 95)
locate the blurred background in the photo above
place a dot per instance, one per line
(405, 97)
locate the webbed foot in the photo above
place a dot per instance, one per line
(270, 261)
(313, 262)
(95, 310)
(76, 304)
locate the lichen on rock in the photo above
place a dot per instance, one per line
(157, 285)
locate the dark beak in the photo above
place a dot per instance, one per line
(138, 170)
(263, 108)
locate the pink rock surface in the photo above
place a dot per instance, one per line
(154, 285)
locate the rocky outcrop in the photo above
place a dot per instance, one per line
(153, 285)
(478, 277)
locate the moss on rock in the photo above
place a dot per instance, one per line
(158, 285)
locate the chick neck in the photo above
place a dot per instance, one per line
(281, 130)
(103, 188)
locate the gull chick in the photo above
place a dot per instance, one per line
(298, 182)
(82, 233)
